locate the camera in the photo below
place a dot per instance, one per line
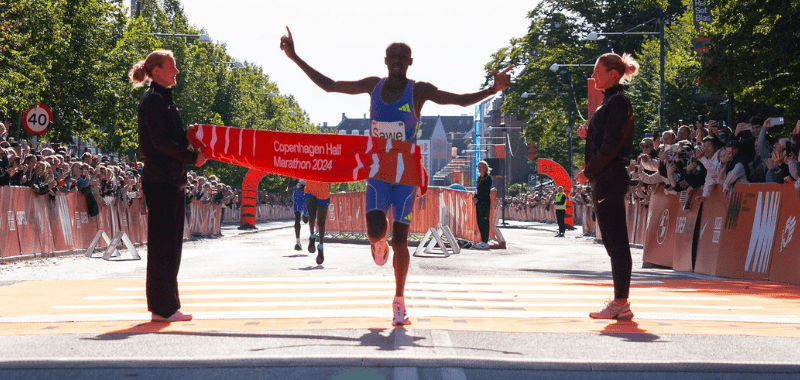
(777, 121)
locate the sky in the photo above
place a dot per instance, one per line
(451, 42)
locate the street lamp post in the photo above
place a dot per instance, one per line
(566, 76)
(506, 145)
(235, 64)
(201, 37)
(662, 57)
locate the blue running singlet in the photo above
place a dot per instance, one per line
(395, 121)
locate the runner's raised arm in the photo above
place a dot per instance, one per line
(363, 86)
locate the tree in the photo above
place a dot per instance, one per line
(752, 55)
(556, 35)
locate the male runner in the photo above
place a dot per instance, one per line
(299, 203)
(394, 112)
(318, 197)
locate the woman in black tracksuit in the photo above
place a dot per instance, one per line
(609, 143)
(165, 151)
(483, 202)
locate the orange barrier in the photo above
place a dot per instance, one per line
(659, 237)
(9, 239)
(32, 224)
(748, 232)
(453, 208)
(204, 218)
(786, 246)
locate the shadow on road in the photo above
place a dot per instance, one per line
(396, 340)
(630, 331)
(606, 275)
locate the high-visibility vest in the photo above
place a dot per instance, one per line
(561, 201)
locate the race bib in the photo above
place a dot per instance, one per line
(390, 130)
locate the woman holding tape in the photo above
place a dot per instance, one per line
(165, 150)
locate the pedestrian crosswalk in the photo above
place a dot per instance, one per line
(460, 300)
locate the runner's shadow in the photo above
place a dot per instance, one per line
(297, 255)
(309, 268)
(140, 329)
(629, 331)
(397, 340)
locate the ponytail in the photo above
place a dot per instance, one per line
(142, 71)
(625, 65)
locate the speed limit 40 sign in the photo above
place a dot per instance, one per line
(37, 120)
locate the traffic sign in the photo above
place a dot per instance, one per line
(37, 120)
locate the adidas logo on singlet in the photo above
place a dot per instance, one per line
(405, 108)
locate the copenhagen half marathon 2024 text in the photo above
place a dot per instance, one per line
(319, 164)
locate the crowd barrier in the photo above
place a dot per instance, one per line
(747, 234)
(32, 224)
(35, 224)
(541, 213)
(264, 212)
(452, 208)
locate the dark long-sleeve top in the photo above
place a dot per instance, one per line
(610, 133)
(484, 189)
(163, 144)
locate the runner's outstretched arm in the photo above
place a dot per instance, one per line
(363, 86)
(429, 92)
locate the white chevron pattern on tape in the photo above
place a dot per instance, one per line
(388, 145)
(373, 169)
(401, 167)
(358, 167)
(369, 144)
(254, 144)
(227, 139)
(241, 133)
(213, 138)
(200, 129)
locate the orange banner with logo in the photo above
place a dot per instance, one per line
(313, 156)
(659, 242)
(785, 265)
(748, 231)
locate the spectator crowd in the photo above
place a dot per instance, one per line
(704, 155)
(697, 156)
(53, 168)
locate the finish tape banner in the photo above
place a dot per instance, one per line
(313, 156)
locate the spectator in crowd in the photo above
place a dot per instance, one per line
(709, 156)
(668, 137)
(648, 147)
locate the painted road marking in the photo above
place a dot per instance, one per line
(411, 301)
(386, 312)
(409, 295)
(390, 286)
(462, 303)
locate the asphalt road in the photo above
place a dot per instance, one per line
(263, 310)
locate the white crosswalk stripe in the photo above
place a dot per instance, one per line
(426, 297)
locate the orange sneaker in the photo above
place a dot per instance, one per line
(614, 310)
(177, 316)
(399, 308)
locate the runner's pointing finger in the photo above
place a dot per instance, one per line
(508, 69)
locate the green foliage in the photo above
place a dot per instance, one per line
(753, 53)
(517, 189)
(74, 56)
(556, 35)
